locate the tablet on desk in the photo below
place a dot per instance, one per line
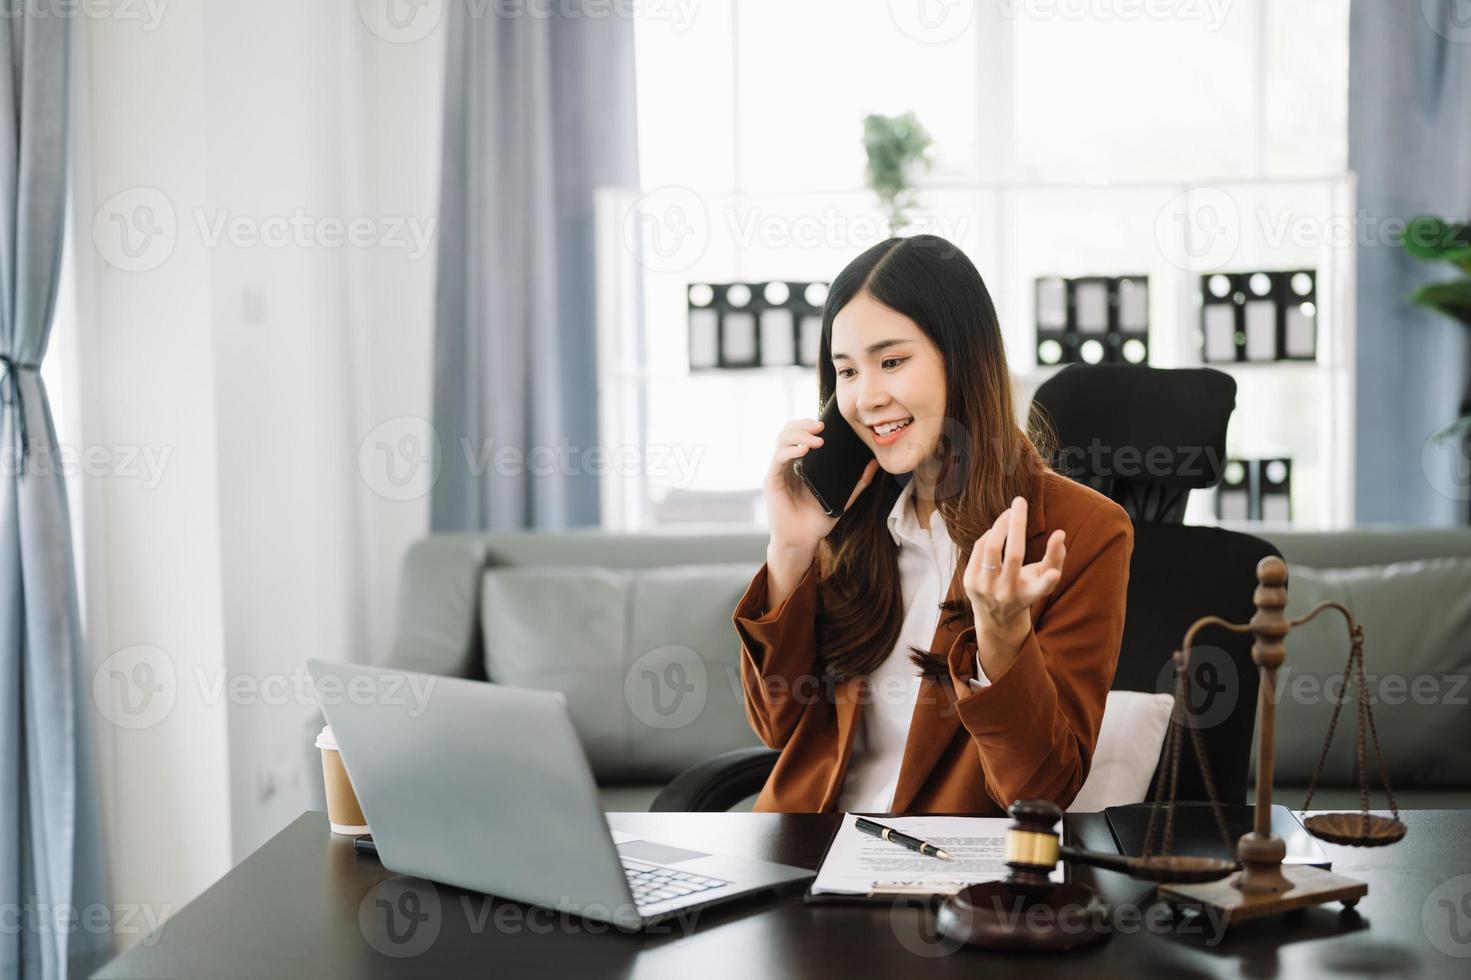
(1196, 832)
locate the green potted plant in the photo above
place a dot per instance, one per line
(1432, 239)
(897, 147)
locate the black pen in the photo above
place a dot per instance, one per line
(899, 837)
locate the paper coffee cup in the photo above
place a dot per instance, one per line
(343, 812)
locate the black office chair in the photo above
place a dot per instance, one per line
(718, 783)
(1177, 574)
(1144, 437)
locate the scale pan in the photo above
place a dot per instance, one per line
(1351, 829)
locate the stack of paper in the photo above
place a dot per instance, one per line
(859, 864)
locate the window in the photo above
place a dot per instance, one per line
(1196, 96)
(769, 96)
(1064, 133)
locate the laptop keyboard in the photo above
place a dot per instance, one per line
(654, 883)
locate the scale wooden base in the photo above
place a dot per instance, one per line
(1310, 886)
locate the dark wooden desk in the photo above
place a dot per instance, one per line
(292, 910)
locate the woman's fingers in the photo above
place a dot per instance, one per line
(973, 569)
(793, 441)
(992, 543)
(1044, 575)
(997, 573)
(787, 454)
(800, 432)
(798, 437)
(1016, 537)
(1056, 550)
(999, 556)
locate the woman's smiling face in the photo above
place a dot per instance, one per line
(888, 371)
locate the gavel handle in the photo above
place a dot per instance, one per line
(1098, 859)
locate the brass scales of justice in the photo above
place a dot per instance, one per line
(1263, 885)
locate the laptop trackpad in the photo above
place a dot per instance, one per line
(645, 850)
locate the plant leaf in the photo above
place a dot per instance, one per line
(895, 146)
(1454, 429)
(1453, 298)
(1432, 239)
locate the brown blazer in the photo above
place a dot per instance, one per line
(1029, 734)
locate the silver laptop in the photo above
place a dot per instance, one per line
(486, 787)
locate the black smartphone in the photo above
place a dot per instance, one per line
(833, 469)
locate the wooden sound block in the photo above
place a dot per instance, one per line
(1310, 886)
(994, 915)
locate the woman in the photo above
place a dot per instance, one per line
(881, 696)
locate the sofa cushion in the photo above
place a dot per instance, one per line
(1416, 617)
(645, 656)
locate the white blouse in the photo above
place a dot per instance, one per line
(926, 564)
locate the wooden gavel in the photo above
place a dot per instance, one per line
(1033, 848)
(984, 914)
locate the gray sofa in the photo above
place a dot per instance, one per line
(636, 630)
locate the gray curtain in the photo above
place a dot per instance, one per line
(49, 835)
(539, 110)
(1410, 144)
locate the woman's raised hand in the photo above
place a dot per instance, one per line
(796, 519)
(1000, 587)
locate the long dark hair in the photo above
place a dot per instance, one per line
(988, 459)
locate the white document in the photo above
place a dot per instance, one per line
(857, 864)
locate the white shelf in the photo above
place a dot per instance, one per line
(1014, 233)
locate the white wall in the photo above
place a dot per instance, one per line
(145, 361)
(259, 368)
(401, 90)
